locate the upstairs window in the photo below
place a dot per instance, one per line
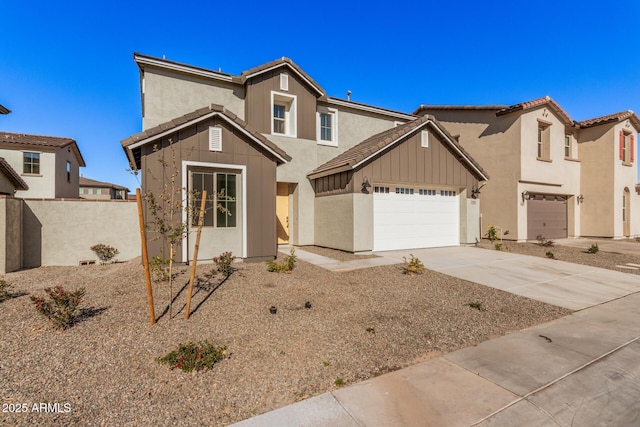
(31, 163)
(327, 126)
(68, 171)
(544, 131)
(626, 147)
(283, 121)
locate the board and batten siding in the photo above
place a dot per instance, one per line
(192, 144)
(258, 111)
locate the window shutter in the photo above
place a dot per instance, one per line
(215, 138)
(631, 146)
(284, 82)
(622, 145)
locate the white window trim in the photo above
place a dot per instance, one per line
(334, 126)
(290, 113)
(243, 172)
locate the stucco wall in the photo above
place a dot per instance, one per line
(10, 230)
(168, 95)
(42, 186)
(334, 222)
(6, 186)
(625, 176)
(60, 232)
(64, 188)
(469, 220)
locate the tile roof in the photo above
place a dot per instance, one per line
(615, 117)
(86, 182)
(351, 158)
(40, 141)
(156, 132)
(424, 107)
(252, 72)
(4, 110)
(537, 103)
(365, 107)
(13, 176)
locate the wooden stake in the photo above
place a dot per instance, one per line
(145, 258)
(195, 255)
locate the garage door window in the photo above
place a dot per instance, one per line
(381, 189)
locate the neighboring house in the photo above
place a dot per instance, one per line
(92, 189)
(302, 167)
(49, 165)
(10, 180)
(550, 175)
(4, 110)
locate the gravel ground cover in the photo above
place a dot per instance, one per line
(336, 254)
(361, 324)
(602, 259)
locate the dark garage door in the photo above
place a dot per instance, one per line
(547, 216)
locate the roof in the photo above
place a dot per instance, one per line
(286, 62)
(427, 107)
(14, 177)
(364, 107)
(535, 104)
(156, 132)
(367, 149)
(86, 182)
(4, 110)
(40, 141)
(609, 118)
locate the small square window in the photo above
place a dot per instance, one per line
(31, 163)
(284, 120)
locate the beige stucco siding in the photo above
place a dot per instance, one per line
(625, 176)
(41, 185)
(345, 222)
(64, 188)
(167, 95)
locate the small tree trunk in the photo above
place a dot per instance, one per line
(195, 255)
(170, 281)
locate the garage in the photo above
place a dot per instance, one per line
(547, 216)
(408, 218)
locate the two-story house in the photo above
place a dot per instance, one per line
(297, 166)
(551, 176)
(48, 165)
(99, 190)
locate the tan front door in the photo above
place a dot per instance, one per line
(282, 212)
(626, 213)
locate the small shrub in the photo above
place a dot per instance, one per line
(5, 289)
(286, 267)
(413, 266)
(105, 253)
(339, 382)
(498, 246)
(543, 241)
(371, 330)
(593, 249)
(550, 255)
(61, 307)
(477, 305)
(194, 356)
(492, 233)
(159, 269)
(223, 261)
(325, 363)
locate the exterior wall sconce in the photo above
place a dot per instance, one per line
(366, 185)
(475, 191)
(525, 196)
(580, 199)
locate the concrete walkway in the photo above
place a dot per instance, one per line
(607, 245)
(580, 370)
(334, 265)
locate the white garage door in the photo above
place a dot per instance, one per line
(408, 221)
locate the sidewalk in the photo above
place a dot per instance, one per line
(334, 265)
(578, 370)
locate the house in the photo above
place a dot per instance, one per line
(48, 165)
(98, 190)
(10, 180)
(551, 176)
(4, 110)
(299, 166)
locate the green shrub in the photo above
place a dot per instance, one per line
(492, 233)
(339, 382)
(593, 249)
(286, 267)
(159, 269)
(105, 253)
(5, 290)
(223, 261)
(413, 266)
(194, 356)
(477, 305)
(61, 306)
(550, 255)
(498, 246)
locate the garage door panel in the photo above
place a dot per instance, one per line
(547, 217)
(407, 221)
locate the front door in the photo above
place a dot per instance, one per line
(282, 212)
(222, 223)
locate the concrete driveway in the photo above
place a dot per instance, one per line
(564, 284)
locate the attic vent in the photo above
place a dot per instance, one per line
(215, 138)
(284, 82)
(424, 138)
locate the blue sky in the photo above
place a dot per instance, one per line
(66, 68)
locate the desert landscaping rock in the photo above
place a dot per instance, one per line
(104, 367)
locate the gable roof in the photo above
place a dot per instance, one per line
(423, 108)
(609, 118)
(214, 110)
(282, 62)
(86, 182)
(144, 60)
(40, 141)
(14, 177)
(365, 107)
(360, 154)
(523, 106)
(4, 110)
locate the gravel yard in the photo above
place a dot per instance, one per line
(361, 324)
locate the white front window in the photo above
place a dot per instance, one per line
(283, 114)
(327, 126)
